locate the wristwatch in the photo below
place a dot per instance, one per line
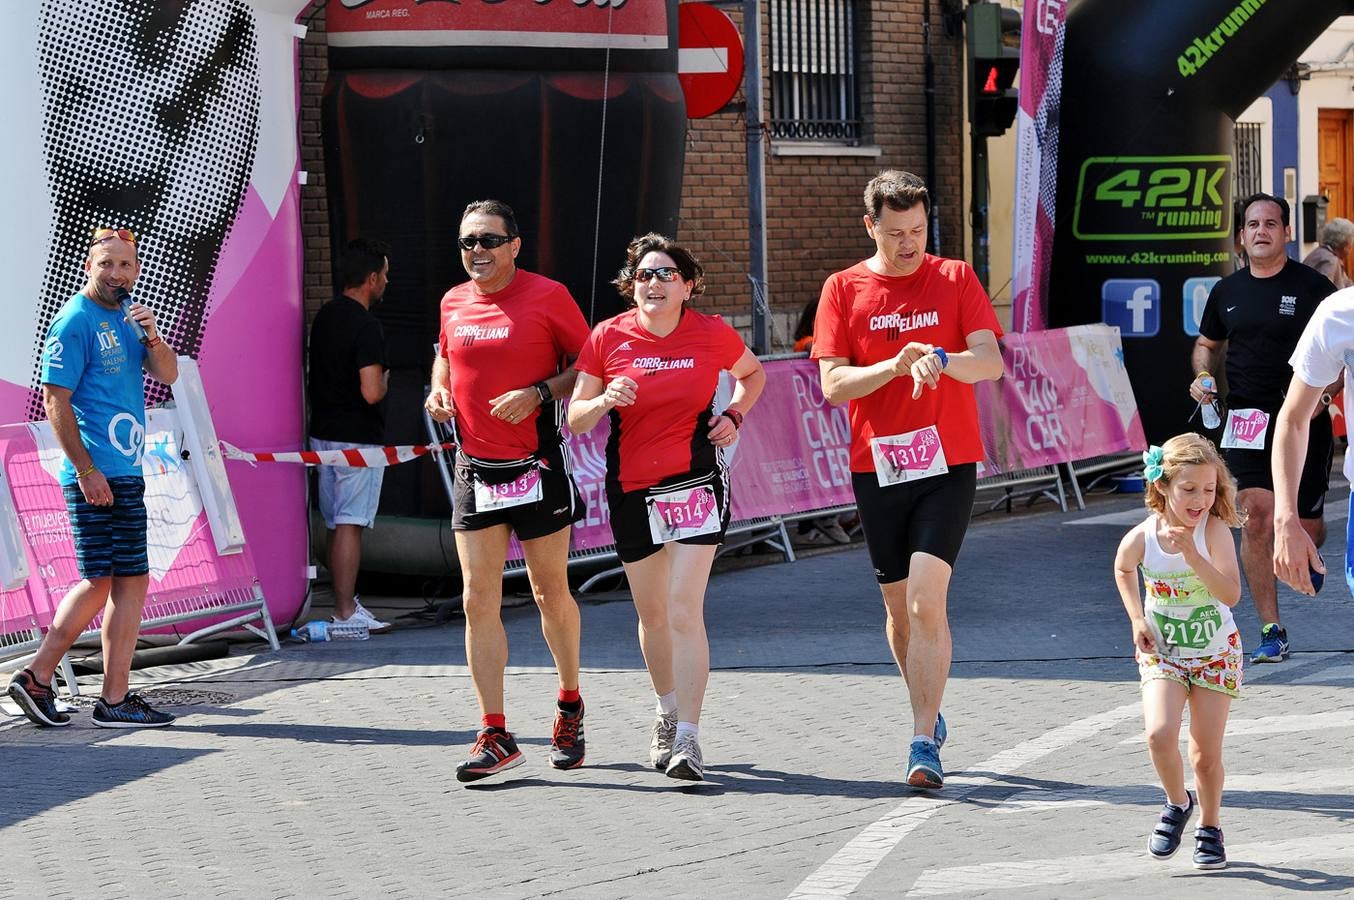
(543, 391)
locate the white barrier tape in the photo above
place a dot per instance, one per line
(357, 457)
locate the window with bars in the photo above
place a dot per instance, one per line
(814, 91)
(1247, 176)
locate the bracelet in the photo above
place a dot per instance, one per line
(79, 475)
(735, 417)
(942, 356)
(153, 342)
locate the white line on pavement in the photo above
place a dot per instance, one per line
(1013, 874)
(1334, 673)
(849, 866)
(1309, 782)
(1273, 725)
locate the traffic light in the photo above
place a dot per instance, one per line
(994, 59)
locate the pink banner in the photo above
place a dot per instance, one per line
(1065, 396)
(1036, 173)
(186, 571)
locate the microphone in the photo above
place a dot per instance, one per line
(125, 302)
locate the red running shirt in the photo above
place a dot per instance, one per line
(500, 342)
(867, 318)
(666, 431)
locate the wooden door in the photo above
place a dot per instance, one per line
(1335, 168)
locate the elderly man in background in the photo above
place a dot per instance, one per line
(1336, 238)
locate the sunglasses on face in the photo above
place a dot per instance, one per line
(662, 273)
(103, 234)
(487, 241)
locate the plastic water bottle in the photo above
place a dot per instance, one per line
(311, 632)
(1209, 409)
(348, 631)
(319, 631)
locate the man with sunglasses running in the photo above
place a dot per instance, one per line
(903, 336)
(92, 390)
(508, 340)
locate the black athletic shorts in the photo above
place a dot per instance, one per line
(1252, 468)
(630, 513)
(926, 516)
(560, 505)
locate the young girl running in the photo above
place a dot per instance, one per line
(1188, 647)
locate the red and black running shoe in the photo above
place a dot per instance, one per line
(566, 739)
(38, 701)
(494, 751)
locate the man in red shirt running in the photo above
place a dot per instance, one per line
(508, 340)
(903, 336)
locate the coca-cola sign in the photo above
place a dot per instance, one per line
(621, 24)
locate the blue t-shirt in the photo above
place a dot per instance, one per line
(93, 352)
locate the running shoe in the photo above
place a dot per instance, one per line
(923, 766)
(660, 747)
(1208, 850)
(941, 731)
(566, 738)
(38, 701)
(132, 712)
(364, 616)
(686, 762)
(1165, 839)
(1273, 645)
(494, 751)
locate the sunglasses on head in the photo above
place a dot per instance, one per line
(487, 241)
(662, 273)
(103, 234)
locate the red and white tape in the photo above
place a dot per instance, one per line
(363, 457)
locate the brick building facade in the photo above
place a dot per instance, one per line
(813, 187)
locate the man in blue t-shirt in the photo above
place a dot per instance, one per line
(92, 390)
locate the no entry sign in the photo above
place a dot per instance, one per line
(709, 58)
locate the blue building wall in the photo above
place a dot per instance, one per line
(1284, 108)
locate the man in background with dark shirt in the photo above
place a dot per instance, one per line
(348, 380)
(1253, 319)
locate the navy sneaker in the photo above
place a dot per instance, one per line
(566, 739)
(941, 731)
(494, 751)
(1273, 645)
(1208, 850)
(132, 712)
(38, 701)
(1165, 839)
(923, 766)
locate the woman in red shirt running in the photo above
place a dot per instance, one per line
(654, 370)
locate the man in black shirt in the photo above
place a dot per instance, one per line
(1254, 318)
(348, 379)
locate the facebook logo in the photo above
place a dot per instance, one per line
(1134, 304)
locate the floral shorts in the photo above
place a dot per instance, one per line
(1220, 673)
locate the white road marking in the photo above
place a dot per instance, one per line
(1123, 517)
(1334, 673)
(1078, 870)
(1273, 725)
(702, 60)
(1310, 782)
(849, 866)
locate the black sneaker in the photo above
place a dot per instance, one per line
(494, 751)
(1165, 839)
(38, 701)
(566, 738)
(132, 712)
(1208, 850)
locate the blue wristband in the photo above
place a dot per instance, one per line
(944, 357)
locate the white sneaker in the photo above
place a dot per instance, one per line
(362, 614)
(660, 748)
(833, 529)
(686, 762)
